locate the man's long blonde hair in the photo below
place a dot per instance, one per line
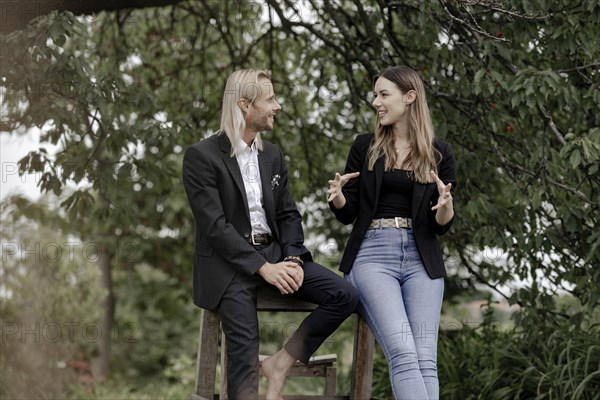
(422, 155)
(241, 84)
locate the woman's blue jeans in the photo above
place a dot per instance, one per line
(402, 306)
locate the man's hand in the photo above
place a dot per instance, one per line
(285, 275)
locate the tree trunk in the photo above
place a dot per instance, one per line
(100, 363)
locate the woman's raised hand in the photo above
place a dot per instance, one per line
(335, 188)
(444, 191)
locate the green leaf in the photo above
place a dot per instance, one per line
(575, 158)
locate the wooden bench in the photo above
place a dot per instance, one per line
(269, 300)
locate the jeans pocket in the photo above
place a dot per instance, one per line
(370, 233)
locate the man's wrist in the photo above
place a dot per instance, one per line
(262, 269)
(294, 259)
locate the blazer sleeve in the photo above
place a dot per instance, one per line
(201, 186)
(351, 190)
(289, 220)
(447, 173)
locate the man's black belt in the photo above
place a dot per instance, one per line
(260, 239)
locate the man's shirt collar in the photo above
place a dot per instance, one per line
(243, 146)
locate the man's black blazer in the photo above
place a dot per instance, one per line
(215, 190)
(362, 197)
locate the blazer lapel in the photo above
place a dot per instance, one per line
(379, 170)
(234, 169)
(419, 194)
(267, 191)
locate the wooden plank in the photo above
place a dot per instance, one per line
(285, 396)
(207, 354)
(223, 390)
(331, 381)
(362, 365)
(314, 371)
(314, 360)
(322, 359)
(309, 397)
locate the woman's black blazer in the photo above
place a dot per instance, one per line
(362, 197)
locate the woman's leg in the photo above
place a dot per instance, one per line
(423, 302)
(377, 275)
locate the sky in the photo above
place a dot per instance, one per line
(13, 147)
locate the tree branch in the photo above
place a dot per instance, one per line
(16, 15)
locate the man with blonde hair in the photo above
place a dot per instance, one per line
(249, 233)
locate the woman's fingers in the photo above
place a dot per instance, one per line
(444, 198)
(440, 185)
(444, 190)
(350, 175)
(336, 184)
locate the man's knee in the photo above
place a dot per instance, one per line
(347, 297)
(353, 297)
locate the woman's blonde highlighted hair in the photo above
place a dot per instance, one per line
(422, 155)
(241, 84)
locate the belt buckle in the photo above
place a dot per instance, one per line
(253, 241)
(401, 222)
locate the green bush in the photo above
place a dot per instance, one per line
(49, 296)
(556, 361)
(490, 363)
(158, 324)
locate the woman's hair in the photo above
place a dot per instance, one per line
(422, 155)
(241, 84)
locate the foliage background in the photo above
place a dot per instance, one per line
(117, 96)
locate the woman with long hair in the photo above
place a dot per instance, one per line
(397, 190)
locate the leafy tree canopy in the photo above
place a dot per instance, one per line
(512, 85)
